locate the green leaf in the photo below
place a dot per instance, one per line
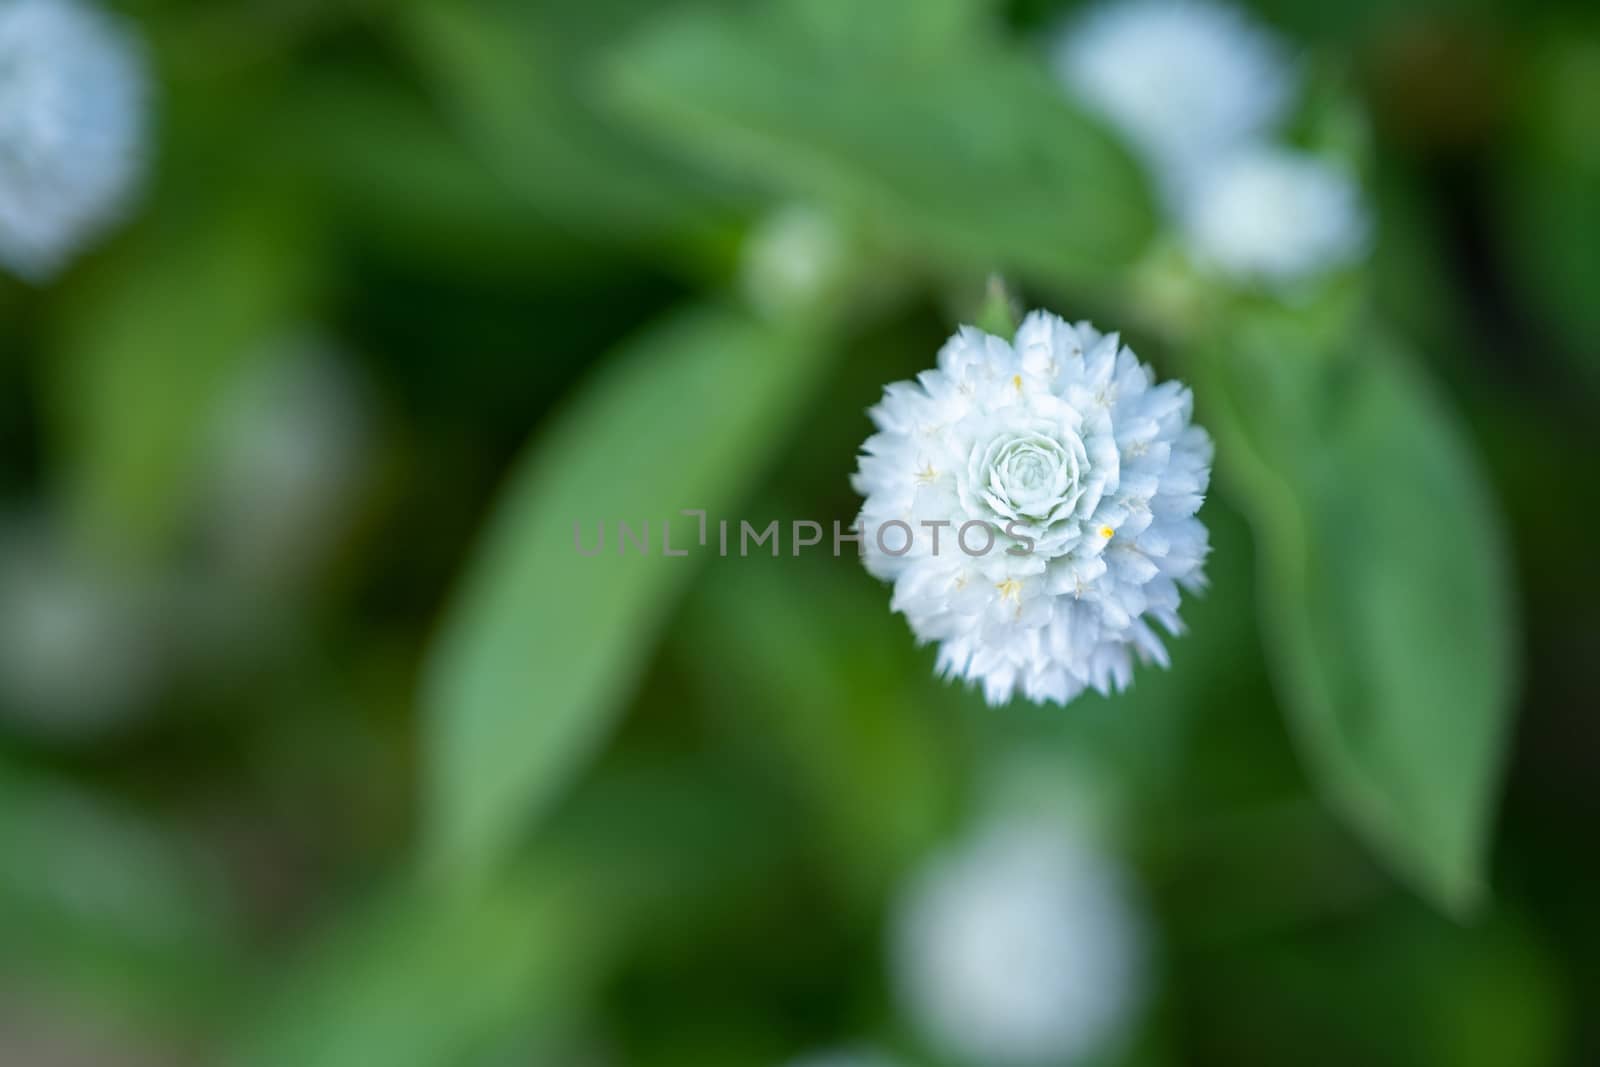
(542, 646)
(1548, 183)
(105, 908)
(509, 77)
(920, 29)
(410, 182)
(419, 979)
(147, 344)
(853, 720)
(965, 150)
(1387, 603)
(416, 977)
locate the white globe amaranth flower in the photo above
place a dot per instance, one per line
(1034, 504)
(1022, 946)
(1275, 216)
(73, 92)
(1183, 80)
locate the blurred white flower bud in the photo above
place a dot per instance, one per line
(82, 648)
(73, 89)
(1273, 216)
(791, 260)
(1020, 947)
(1183, 80)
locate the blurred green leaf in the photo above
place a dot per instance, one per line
(510, 76)
(1387, 597)
(146, 345)
(965, 150)
(103, 907)
(414, 184)
(1549, 189)
(715, 837)
(420, 977)
(422, 980)
(922, 29)
(854, 720)
(1389, 986)
(542, 645)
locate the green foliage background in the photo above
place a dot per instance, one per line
(446, 793)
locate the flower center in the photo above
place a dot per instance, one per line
(1031, 471)
(1031, 475)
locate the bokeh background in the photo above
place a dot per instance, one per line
(319, 745)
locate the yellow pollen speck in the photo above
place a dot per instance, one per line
(927, 474)
(1010, 589)
(1016, 380)
(1106, 532)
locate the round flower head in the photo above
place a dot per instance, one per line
(72, 95)
(1034, 504)
(1182, 79)
(1275, 216)
(1020, 947)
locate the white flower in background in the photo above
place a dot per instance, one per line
(289, 449)
(791, 260)
(1086, 473)
(73, 89)
(1183, 80)
(82, 648)
(1275, 216)
(1020, 947)
(1199, 89)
